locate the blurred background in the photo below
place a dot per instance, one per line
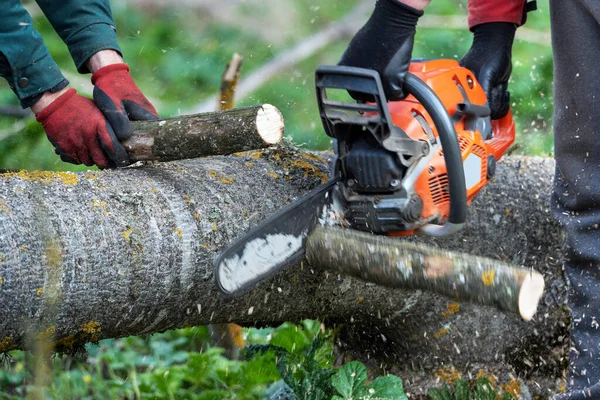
(177, 50)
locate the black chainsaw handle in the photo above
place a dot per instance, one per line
(452, 155)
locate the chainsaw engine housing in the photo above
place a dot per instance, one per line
(394, 176)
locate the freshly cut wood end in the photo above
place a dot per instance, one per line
(269, 124)
(530, 294)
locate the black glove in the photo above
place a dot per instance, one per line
(385, 45)
(490, 60)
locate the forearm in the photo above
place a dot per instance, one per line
(24, 60)
(486, 11)
(86, 26)
(416, 4)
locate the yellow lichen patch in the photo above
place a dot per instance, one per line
(214, 227)
(196, 215)
(310, 170)
(127, 234)
(448, 375)
(239, 154)
(273, 175)
(39, 291)
(512, 387)
(179, 232)
(488, 277)
(46, 333)
(255, 155)
(6, 344)
(91, 328)
(249, 164)
(66, 342)
(187, 199)
(4, 208)
(154, 190)
(314, 158)
(441, 332)
(99, 203)
(68, 178)
(360, 299)
(1, 281)
(507, 212)
(91, 175)
(23, 248)
(223, 178)
(453, 308)
(276, 157)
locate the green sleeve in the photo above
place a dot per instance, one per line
(86, 26)
(24, 59)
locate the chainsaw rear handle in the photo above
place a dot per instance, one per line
(452, 156)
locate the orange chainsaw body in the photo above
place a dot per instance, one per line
(451, 82)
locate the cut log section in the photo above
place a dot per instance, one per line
(207, 134)
(394, 263)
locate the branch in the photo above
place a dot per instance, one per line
(208, 134)
(390, 262)
(229, 82)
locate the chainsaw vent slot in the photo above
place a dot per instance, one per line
(438, 186)
(463, 142)
(480, 152)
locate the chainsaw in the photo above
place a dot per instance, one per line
(401, 167)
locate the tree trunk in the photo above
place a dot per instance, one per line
(115, 253)
(207, 134)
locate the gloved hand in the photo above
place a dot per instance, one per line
(490, 60)
(385, 44)
(80, 133)
(120, 100)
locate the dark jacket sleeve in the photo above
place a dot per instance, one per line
(86, 26)
(24, 59)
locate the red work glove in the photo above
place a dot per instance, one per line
(80, 133)
(120, 100)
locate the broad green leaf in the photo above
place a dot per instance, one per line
(350, 380)
(387, 387)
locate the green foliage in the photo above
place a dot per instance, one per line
(177, 56)
(172, 365)
(350, 381)
(308, 373)
(481, 389)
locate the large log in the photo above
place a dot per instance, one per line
(126, 252)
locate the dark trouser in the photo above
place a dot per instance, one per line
(576, 197)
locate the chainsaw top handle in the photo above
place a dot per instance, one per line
(368, 82)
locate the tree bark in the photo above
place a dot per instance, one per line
(125, 252)
(394, 263)
(207, 134)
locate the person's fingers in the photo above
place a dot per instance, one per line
(111, 146)
(116, 116)
(136, 112)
